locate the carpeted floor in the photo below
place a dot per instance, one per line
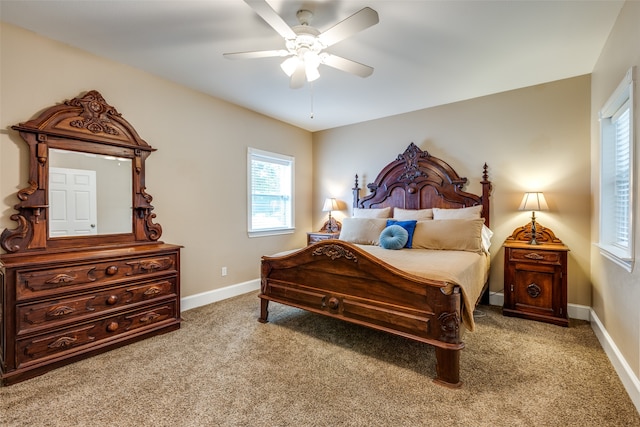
(223, 368)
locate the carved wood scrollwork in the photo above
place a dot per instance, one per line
(14, 240)
(95, 114)
(449, 325)
(335, 252)
(149, 265)
(543, 234)
(63, 342)
(59, 311)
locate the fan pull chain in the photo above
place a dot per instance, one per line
(311, 91)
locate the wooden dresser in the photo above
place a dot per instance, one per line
(63, 307)
(80, 280)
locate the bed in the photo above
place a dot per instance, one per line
(426, 292)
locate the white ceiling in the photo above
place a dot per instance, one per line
(425, 53)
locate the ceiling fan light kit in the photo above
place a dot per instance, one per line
(305, 44)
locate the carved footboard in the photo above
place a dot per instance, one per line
(338, 279)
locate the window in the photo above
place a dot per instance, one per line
(616, 175)
(270, 193)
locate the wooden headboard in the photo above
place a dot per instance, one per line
(417, 180)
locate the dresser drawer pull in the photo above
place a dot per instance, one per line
(63, 342)
(534, 255)
(112, 327)
(61, 278)
(112, 299)
(150, 265)
(149, 317)
(112, 269)
(60, 310)
(152, 291)
(145, 266)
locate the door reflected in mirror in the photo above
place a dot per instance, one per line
(89, 194)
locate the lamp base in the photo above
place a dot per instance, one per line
(534, 231)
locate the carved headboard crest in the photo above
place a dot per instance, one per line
(412, 157)
(417, 180)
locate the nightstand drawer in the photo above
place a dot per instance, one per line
(526, 255)
(315, 237)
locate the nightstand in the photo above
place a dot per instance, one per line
(317, 236)
(535, 277)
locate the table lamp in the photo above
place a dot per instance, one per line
(533, 202)
(331, 204)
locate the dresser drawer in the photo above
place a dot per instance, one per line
(531, 255)
(73, 277)
(51, 313)
(84, 335)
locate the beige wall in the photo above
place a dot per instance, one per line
(616, 293)
(198, 175)
(535, 138)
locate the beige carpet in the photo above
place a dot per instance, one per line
(223, 368)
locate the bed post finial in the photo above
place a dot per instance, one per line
(486, 190)
(356, 193)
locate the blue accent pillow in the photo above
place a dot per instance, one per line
(394, 237)
(410, 226)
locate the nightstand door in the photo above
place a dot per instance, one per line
(533, 289)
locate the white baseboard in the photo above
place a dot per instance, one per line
(624, 371)
(576, 311)
(204, 298)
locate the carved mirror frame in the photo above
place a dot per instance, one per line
(83, 124)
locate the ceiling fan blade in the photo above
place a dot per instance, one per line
(266, 12)
(347, 65)
(256, 54)
(299, 77)
(359, 21)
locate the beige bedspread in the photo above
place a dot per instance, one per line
(470, 270)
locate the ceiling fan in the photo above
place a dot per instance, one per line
(305, 45)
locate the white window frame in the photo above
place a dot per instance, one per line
(280, 159)
(617, 238)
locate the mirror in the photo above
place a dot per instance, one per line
(89, 194)
(85, 159)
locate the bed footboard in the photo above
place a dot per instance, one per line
(338, 279)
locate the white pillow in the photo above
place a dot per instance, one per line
(363, 231)
(486, 238)
(412, 214)
(472, 212)
(371, 213)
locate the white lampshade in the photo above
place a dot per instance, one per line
(330, 205)
(309, 62)
(533, 202)
(289, 65)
